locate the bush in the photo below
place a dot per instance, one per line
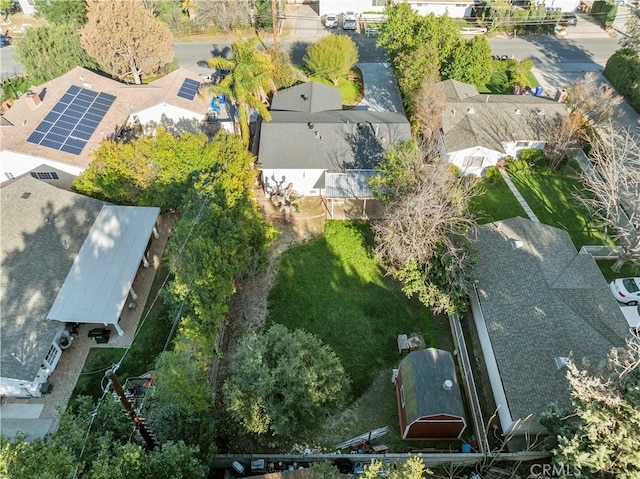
(604, 12)
(492, 174)
(517, 165)
(533, 156)
(623, 72)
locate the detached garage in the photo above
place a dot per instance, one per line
(429, 400)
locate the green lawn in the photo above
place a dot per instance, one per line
(352, 87)
(141, 356)
(552, 197)
(496, 202)
(499, 82)
(333, 288)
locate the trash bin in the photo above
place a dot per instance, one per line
(538, 91)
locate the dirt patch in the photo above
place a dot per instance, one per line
(249, 306)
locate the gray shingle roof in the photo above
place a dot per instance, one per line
(471, 119)
(43, 228)
(307, 97)
(334, 140)
(423, 375)
(541, 301)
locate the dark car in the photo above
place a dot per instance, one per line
(4, 40)
(568, 20)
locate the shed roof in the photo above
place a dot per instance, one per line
(423, 375)
(542, 300)
(96, 287)
(43, 228)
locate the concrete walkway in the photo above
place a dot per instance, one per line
(516, 193)
(381, 92)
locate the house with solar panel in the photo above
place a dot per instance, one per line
(52, 129)
(64, 259)
(322, 149)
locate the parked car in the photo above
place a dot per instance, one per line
(331, 20)
(632, 315)
(568, 20)
(4, 41)
(626, 290)
(349, 21)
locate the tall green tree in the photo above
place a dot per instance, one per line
(284, 382)
(469, 61)
(601, 437)
(104, 453)
(49, 51)
(332, 57)
(62, 11)
(249, 82)
(149, 171)
(126, 39)
(631, 41)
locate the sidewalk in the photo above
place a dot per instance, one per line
(525, 206)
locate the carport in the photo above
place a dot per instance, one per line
(102, 275)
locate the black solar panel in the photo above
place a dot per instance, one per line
(72, 121)
(189, 89)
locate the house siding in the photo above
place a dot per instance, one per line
(305, 182)
(490, 158)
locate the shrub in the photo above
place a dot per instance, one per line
(492, 174)
(623, 72)
(533, 156)
(517, 165)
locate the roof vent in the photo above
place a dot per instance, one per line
(540, 112)
(516, 244)
(561, 362)
(447, 385)
(25, 195)
(33, 99)
(304, 97)
(310, 125)
(518, 111)
(471, 111)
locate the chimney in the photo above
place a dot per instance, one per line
(447, 385)
(33, 99)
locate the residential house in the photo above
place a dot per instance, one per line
(64, 258)
(51, 130)
(479, 129)
(455, 9)
(429, 399)
(323, 150)
(537, 304)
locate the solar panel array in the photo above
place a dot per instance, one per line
(188, 89)
(72, 121)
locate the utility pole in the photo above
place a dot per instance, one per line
(275, 25)
(137, 420)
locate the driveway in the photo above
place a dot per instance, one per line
(381, 91)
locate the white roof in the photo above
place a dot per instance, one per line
(98, 283)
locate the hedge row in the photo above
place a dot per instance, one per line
(623, 72)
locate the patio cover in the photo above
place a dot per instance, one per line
(99, 281)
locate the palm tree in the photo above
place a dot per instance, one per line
(249, 81)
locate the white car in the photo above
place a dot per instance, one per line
(331, 20)
(632, 315)
(349, 21)
(626, 290)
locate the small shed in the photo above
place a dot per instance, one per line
(429, 399)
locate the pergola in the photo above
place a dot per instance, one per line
(101, 278)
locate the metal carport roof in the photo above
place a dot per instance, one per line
(96, 287)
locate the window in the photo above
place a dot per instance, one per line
(522, 144)
(9, 175)
(45, 175)
(473, 162)
(402, 395)
(51, 359)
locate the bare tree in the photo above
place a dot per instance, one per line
(428, 106)
(126, 38)
(614, 181)
(597, 102)
(561, 134)
(284, 198)
(421, 236)
(224, 14)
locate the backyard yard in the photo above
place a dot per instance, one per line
(333, 288)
